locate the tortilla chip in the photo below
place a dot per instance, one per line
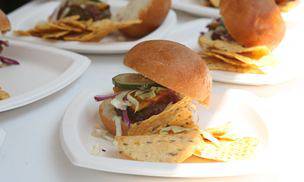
(217, 64)
(240, 149)
(219, 130)
(254, 52)
(3, 94)
(227, 137)
(178, 114)
(159, 148)
(231, 61)
(101, 29)
(55, 35)
(264, 61)
(71, 29)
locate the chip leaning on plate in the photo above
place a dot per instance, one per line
(243, 38)
(4, 61)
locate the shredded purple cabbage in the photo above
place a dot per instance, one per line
(3, 43)
(6, 60)
(99, 98)
(125, 117)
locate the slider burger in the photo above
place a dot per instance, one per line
(243, 38)
(4, 61)
(286, 5)
(169, 76)
(86, 9)
(4, 27)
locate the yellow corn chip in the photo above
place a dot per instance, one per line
(210, 138)
(227, 137)
(159, 148)
(178, 114)
(216, 64)
(239, 149)
(264, 61)
(256, 52)
(3, 94)
(231, 61)
(55, 35)
(219, 130)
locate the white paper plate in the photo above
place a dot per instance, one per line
(288, 54)
(193, 7)
(2, 136)
(108, 45)
(227, 105)
(42, 71)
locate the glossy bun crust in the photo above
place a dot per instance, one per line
(172, 65)
(253, 22)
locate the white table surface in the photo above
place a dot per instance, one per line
(32, 152)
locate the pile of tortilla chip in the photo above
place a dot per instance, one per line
(73, 29)
(3, 94)
(175, 144)
(230, 56)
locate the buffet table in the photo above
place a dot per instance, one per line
(32, 152)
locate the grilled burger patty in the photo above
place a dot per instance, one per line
(154, 107)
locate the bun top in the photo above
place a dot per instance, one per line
(253, 23)
(172, 65)
(4, 23)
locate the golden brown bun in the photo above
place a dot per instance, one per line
(172, 65)
(253, 23)
(4, 23)
(106, 113)
(152, 17)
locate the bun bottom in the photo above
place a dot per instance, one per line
(106, 113)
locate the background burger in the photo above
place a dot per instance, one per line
(86, 9)
(243, 38)
(4, 27)
(4, 61)
(169, 76)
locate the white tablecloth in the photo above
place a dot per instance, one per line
(32, 152)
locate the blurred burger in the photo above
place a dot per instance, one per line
(243, 38)
(4, 61)
(86, 9)
(169, 76)
(4, 27)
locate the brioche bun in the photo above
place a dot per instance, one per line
(106, 114)
(172, 65)
(152, 13)
(4, 23)
(253, 23)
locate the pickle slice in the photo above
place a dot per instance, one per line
(132, 81)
